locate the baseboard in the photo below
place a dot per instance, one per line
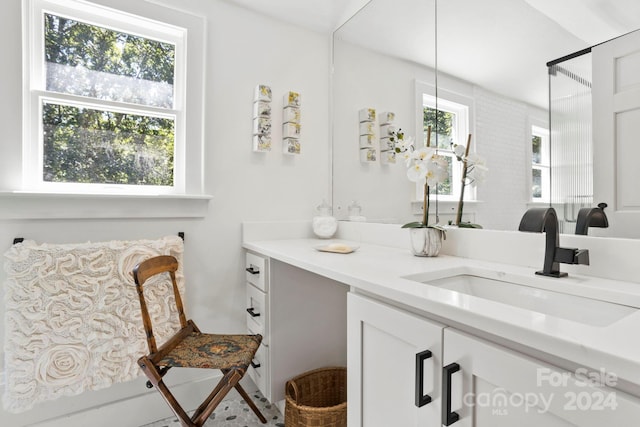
(137, 410)
(129, 411)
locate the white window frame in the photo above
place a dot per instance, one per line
(35, 92)
(544, 166)
(460, 105)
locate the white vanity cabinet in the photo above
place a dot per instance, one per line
(493, 386)
(257, 286)
(302, 317)
(471, 382)
(394, 366)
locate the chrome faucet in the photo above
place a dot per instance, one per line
(545, 220)
(591, 217)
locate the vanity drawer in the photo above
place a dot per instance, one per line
(256, 311)
(256, 270)
(259, 368)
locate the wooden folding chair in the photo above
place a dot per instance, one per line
(190, 348)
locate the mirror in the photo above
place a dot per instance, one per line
(490, 55)
(377, 56)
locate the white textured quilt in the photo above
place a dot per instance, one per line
(72, 316)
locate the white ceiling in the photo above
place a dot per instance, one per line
(318, 15)
(501, 45)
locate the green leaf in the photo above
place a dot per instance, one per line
(414, 225)
(468, 225)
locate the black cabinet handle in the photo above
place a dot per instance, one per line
(448, 417)
(254, 365)
(252, 312)
(421, 398)
(252, 270)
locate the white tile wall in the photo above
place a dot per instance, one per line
(506, 146)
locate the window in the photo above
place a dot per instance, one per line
(540, 181)
(451, 120)
(105, 101)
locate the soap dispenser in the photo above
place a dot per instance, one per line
(324, 225)
(355, 210)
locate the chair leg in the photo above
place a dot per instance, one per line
(185, 421)
(213, 400)
(155, 377)
(249, 401)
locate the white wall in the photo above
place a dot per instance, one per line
(243, 50)
(367, 79)
(503, 137)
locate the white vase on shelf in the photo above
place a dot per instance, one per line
(324, 225)
(426, 242)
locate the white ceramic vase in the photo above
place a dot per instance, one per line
(426, 241)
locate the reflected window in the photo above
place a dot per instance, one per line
(449, 123)
(540, 171)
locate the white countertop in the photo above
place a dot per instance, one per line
(379, 270)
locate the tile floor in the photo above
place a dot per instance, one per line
(235, 413)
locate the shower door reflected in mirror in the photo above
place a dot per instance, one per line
(570, 103)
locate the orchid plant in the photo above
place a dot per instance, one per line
(474, 170)
(423, 163)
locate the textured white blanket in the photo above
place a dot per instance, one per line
(72, 316)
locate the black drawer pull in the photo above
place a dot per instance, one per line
(448, 417)
(255, 365)
(252, 270)
(421, 398)
(252, 312)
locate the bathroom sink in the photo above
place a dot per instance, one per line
(578, 308)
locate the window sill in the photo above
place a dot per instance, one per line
(32, 205)
(445, 206)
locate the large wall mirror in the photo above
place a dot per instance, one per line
(486, 58)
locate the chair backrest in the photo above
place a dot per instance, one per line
(141, 273)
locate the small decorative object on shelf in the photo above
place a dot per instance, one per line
(423, 164)
(368, 155)
(387, 157)
(262, 126)
(388, 137)
(355, 212)
(292, 99)
(261, 109)
(291, 128)
(387, 130)
(387, 118)
(291, 145)
(262, 93)
(291, 115)
(261, 143)
(367, 127)
(367, 115)
(367, 141)
(262, 119)
(324, 225)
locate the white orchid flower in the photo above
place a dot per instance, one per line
(459, 151)
(417, 171)
(406, 155)
(405, 144)
(423, 153)
(441, 162)
(435, 173)
(476, 159)
(477, 173)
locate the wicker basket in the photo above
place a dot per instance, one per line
(317, 398)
